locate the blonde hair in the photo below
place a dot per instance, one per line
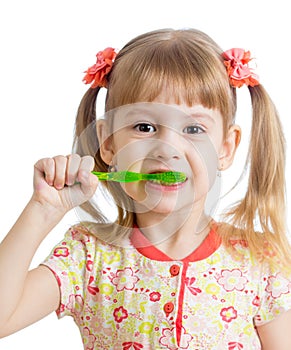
(191, 63)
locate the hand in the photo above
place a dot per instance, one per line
(63, 183)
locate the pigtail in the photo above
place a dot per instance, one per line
(86, 143)
(85, 140)
(85, 137)
(263, 209)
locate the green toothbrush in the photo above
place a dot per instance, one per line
(129, 176)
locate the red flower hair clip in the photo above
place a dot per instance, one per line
(238, 69)
(97, 74)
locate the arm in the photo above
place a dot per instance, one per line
(276, 334)
(26, 297)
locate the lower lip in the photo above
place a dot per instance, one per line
(168, 188)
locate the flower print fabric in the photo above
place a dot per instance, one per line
(133, 299)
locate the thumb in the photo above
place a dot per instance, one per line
(82, 190)
(88, 183)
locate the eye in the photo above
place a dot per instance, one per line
(145, 127)
(193, 129)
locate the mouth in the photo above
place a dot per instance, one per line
(168, 178)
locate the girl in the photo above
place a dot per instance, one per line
(163, 275)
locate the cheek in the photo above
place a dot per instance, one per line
(203, 160)
(129, 156)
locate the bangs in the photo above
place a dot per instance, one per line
(191, 71)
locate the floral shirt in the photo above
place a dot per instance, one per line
(132, 298)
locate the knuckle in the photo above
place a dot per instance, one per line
(74, 161)
(41, 161)
(48, 162)
(60, 159)
(88, 161)
(45, 165)
(75, 156)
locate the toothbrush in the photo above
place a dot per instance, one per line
(129, 176)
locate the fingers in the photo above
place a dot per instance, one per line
(88, 181)
(64, 182)
(85, 168)
(72, 169)
(45, 169)
(61, 171)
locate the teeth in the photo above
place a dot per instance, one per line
(163, 183)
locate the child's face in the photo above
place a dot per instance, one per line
(161, 136)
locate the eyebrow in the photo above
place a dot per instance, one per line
(194, 115)
(198, 115)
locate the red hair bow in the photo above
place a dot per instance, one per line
(97, 74)
(238, 69)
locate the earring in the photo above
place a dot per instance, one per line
(112, 168)
(219, 170)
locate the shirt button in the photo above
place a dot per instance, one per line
(174, 270)
(168, 308)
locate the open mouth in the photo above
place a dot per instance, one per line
(168, 178)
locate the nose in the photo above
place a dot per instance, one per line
(165, 151)
(168, 145)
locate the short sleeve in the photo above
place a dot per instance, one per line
(275, 298)
(68, 261)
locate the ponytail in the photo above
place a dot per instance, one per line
(85, 138)
(263, 207)
(86, 143)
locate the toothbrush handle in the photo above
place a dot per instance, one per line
(101, 176)
(119, 176)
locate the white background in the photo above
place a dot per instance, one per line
(46, 46)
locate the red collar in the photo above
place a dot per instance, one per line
(210, 244)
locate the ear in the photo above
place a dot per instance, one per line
(229, 147)
(105, 141)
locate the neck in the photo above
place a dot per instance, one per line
(176, 234)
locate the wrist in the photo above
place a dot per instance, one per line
(45, 212)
